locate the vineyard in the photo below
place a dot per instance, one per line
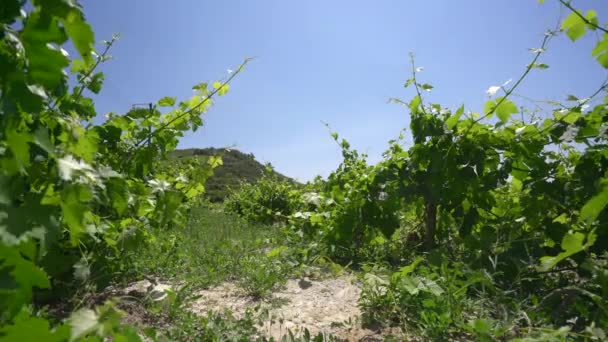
(490, 225)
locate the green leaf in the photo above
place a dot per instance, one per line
(591, 16)
(592, 209)
(6, 194)
(520, 170)
(426, 87)
(78, 65)
(505, 109)
(415, 104)
(27, 328)
(572, 243)
(74, 208)
(95, 83)
(481, 326)
(406, 270)
(215, 161)
(201, 87)
(453, 119)
(571, 98)
(563, 219)
(489, 107)
(80, 32)
(222, 88)
(600, 51)
(432, 287)
(19, 276)
(276, 251)
(18, 143)
(83, 322)
(539, 66)
(117, 191)
(408, 82)
(41, 138)
(167, 101)
(45, 63)
(568, 117)
(574, 26)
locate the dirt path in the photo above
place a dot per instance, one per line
(328, 306)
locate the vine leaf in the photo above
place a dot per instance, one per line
(166, 101)
(575, 26)
(452, 120)
(26, 328)
(600, 52)
(539, 66)
(80, 32)
(502, 107)
(505, 109)
(83, 322)
(222, 88)
(572, 243)
(592, 209)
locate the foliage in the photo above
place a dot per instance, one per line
(260, 275)
(209, 250)
(75, 196)
(354, 208)
(514, 205)
(268, 200)
(433, 299)
(237, 167)
(500, 218)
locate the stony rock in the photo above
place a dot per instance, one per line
(159, 292)
(139, 288)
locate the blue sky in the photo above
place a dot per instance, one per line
(334, 61)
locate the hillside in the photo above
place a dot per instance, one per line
(237, 166)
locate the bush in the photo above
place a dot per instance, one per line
(268, 201)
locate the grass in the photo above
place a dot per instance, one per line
(215, 247)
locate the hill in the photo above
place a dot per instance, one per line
(237, 166)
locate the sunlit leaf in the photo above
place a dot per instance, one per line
(222, 89)
(83, 322)
(80, 32)
(539, 66)
(575, 26)
(426, 87)
(572, 243)
(505, 109)
(592, 209)
(453, 119)
(600, 51)
(167, 101)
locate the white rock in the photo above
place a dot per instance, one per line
(159, 292)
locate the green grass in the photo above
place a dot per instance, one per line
(214, 247)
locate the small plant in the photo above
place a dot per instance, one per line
(259, 275)
(434, 298)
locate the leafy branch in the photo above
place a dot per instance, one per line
(582, 17)
(602, 87)
(148, 137)
(508, 93)
(416, 82)
(89, 72)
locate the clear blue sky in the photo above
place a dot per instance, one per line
(336, 61)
